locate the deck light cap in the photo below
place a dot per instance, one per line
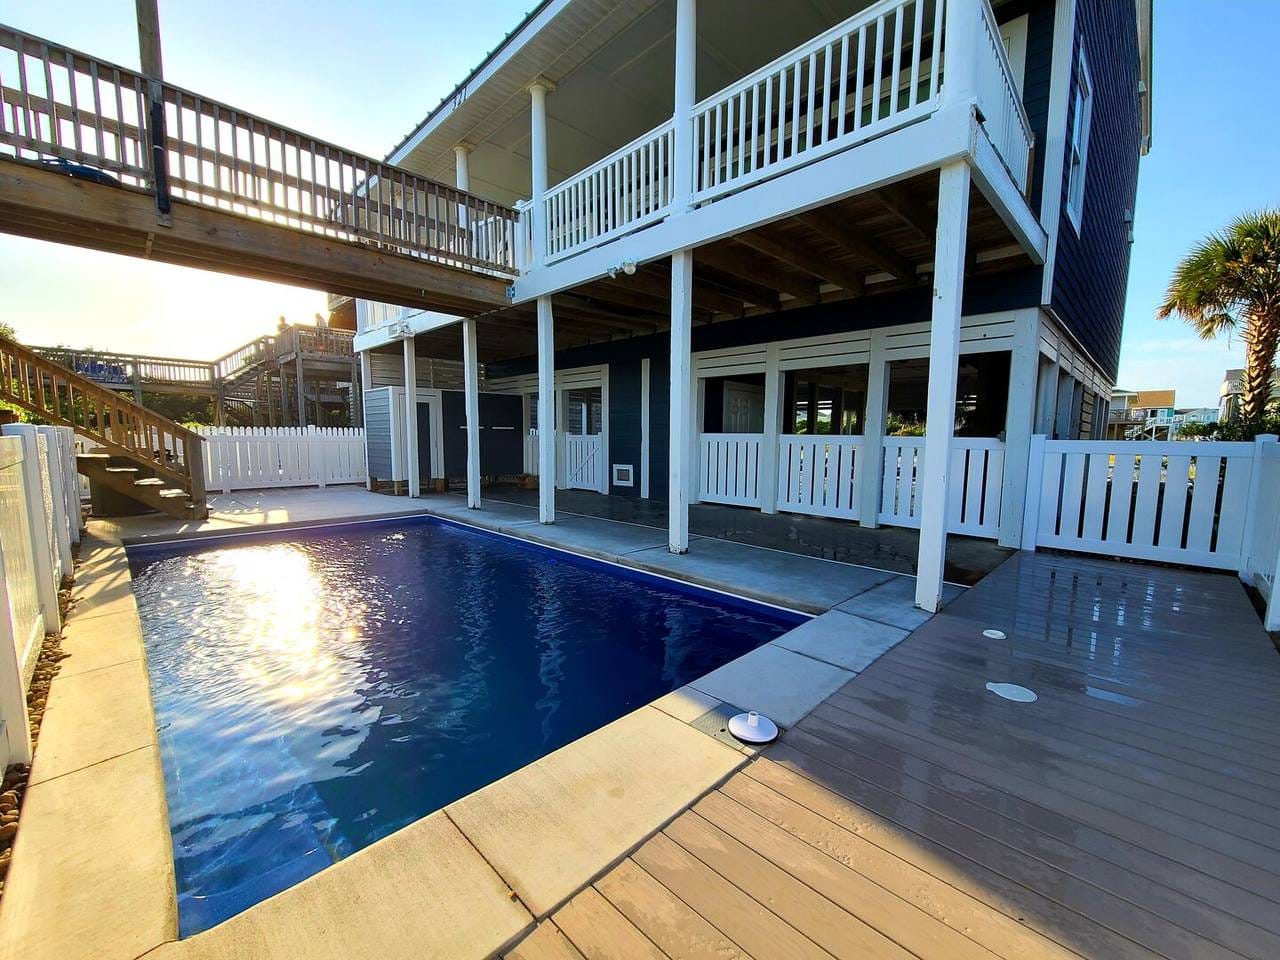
(753, 727)
(994, 634)
(1012, 691)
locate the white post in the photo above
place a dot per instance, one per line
(461, 169)
(57, 487)
(38, 525)
(1035, 481)
(366, 382)
(538, 168)
(682, 159)
(960, 82)
(14, 720)
(944, 358)
(471, 393)
(1019, 413)
(681, 441)
(869, 483)
(547, 423)
(768, 483)
(411, 416)
(645, 364)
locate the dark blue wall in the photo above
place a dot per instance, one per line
(1004, 291)
(1091, 268)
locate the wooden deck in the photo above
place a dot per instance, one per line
(1131, 812)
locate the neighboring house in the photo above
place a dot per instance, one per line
(1232, 390)
(743, 227)
(1141, 414)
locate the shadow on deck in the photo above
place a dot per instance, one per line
(884, 548)
(1129, 812)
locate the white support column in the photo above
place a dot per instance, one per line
(645, 376)
(768, 484)
(547, 422)
(366, 381)
(944, 358)
(461, 167)
(871, 480)
(538, 168)
(960, 82)
(411, 416)
(682, 159)
(471, 396)
(681, 442)
(1019, 415)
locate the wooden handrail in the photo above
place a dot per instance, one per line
(119, 425)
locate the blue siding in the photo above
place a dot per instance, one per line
(1091, 268)
(377, 426)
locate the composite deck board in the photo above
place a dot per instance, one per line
(1148, 759)
(1131, 812)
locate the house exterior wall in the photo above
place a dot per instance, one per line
(1091, 267)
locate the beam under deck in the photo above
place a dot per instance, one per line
(115, 219)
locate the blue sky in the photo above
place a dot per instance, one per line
(363, 74)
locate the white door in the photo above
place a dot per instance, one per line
(743, 408)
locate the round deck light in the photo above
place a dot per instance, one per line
(1011, 691)
(751, 727)
(994, 634)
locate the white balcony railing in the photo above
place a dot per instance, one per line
(875, 71)
(999, 102)
(629, 188)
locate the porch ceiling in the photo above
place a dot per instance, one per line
(873, 243)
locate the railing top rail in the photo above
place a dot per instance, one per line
(1155, 448)
(41, 46)
(112, 355)
(622, 151)
(832, 33)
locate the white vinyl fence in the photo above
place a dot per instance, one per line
(247, 458)
(1205, 504)
(976, 479)
(819, 475)
(584, 462)
(39, 520)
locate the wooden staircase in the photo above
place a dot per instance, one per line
(140, 454)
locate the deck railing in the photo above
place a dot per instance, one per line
(874, 72)
(729, 468)
(93, 118)
(629, 188)
(975, 482)
(123, 368)
(819, 475)
(1000, 103)
(243, 359)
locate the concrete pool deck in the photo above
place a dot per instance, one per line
(93, 872)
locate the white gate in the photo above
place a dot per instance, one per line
(819, 475)
(1176, 501)
(247, 458)
(974, 483)
(729, 468)
(584, 462)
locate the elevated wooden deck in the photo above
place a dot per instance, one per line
(1131, 812)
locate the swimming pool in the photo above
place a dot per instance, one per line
(316, 690)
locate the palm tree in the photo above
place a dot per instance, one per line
(1230, 283)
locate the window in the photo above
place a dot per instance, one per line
(1083, 113)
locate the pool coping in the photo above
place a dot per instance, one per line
(517, 886)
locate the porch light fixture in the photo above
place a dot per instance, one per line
(752, 727)
(1012, 691)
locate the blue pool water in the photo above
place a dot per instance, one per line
(317, 691)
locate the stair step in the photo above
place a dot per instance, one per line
(93, 456)
(122, 469)
(148, 482)
(170, 492)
